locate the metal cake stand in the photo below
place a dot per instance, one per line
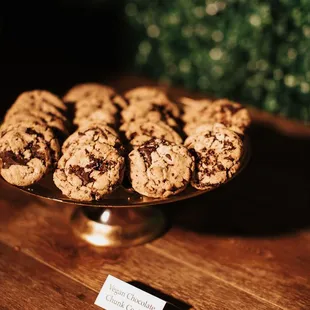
(123, 218)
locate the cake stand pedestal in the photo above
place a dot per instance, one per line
(116, 227)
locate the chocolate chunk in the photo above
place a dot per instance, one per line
(99, 164)
(146, 150)
(220, 167)
(168, 156)
(229, 145)
(146, 154)
(133, 135)
(9, 159)
(82, 174)
(174, 188)
(229, 158)
(209, 172)
(31, 131)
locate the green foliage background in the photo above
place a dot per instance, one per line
(257, 52)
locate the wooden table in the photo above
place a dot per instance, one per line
(243, 246)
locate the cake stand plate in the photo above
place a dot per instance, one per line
(121, 219)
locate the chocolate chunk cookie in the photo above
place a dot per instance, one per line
(154, 96)
(190, 128)
(145, 93)
(31, 99)
(25, 155)
(217, 152)
(89, 172)
(87, 90)
(37, 129)
(42, 107)
(94, 124)
(149, 111)
(193, 109)
(92, 132)
(95, 109)
(231, 114)
(59, 126)
(140, 131)
(97, 115)
(103, 102)
(159, 168)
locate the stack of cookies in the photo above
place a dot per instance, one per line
(94, 102)
(93, 162)
(29, 137)
(145, 120)
(43, 106)
(159, 165)
(150, 104)
(204, 111)
(215, 132)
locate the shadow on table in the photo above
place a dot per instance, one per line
(270, 197)
(172, 303)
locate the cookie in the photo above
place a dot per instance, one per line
(231, 114)
(25, 156)
(59, 126)
(117, 101)
(190, 128)
(193, 109)
(149, 112)
(94, 124)
(33, 98)
(140, 131)
(89, 172)
(153, 96)
(87, 90)
(144, 93)
(95, 109)
(159, 168)
(218, 152)
(92, 133)
(97, 115)
(32, 107)
(84, 106)
(37, 129)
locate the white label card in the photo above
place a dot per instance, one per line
(119, 295)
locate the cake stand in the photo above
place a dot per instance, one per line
(123, 218)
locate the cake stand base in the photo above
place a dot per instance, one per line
(118, 227)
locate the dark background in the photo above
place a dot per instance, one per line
(54, 44)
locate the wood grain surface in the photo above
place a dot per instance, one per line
(28, 284)
(243, 246)
(44, 234)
